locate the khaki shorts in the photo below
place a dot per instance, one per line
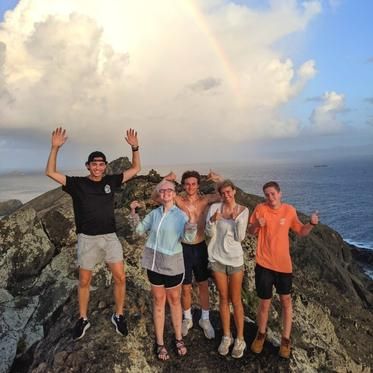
(228, 270)
(96, 249)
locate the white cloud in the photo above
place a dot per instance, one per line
(324, 117)
(170, 68)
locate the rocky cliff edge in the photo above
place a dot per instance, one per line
(333, 299)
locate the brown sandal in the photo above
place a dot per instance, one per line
(162, 353)
(180, 347)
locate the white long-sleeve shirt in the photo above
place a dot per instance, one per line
(226, 236)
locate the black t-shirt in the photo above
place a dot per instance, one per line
(93, 203)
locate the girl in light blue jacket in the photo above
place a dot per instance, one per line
(163, 259)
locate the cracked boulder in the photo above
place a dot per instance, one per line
(24, 249)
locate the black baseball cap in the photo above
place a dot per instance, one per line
(96, 156)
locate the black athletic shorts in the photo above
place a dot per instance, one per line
(195, 262)
(265, 279)
(157, 279)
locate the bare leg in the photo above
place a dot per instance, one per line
(204, 294)
(262, 316)
(186, 296)
(287, 314)
(221, 280)
(159, 303)
(85, 277)
(173, 299)
(235, 286)
(117, 269)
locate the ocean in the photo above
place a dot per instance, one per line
(342, 192)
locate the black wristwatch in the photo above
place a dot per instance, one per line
(135, 148)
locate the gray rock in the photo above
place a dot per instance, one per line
(14, 315)
(24, 249)
(8, 207)
(332, 318)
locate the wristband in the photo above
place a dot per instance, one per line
(135, 148)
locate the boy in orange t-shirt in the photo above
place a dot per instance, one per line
(271, 222)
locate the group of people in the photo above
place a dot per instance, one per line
(176, 249)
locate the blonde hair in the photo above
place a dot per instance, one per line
(163, 183)
(226, 183)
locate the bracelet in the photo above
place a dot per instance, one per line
(135, 148)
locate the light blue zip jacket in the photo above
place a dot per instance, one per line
(163, 252)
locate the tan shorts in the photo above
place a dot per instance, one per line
(96, 249)
(228, 270)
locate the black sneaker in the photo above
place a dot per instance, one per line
(80, 328)
(120, 324)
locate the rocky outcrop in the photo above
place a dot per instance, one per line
(25, 250)
(363, 256)
(38, 305)
(7, 207)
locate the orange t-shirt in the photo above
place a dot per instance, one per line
(273, 239)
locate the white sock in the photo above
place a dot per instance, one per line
(205, 314)
(188, 314)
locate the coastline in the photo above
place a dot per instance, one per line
(364, 258)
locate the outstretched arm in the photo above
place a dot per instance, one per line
(307, 228)
(213, 197)
(58, 139)
(215, 177)
(131, 138)
(257, 221)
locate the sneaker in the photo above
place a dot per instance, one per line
(238, 348)
(207, 328)
(80, 328)
(185, 326)
(258, 343)
(120, 324)
(225, 343)
(284, 351)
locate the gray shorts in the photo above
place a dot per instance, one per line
(228, 270)
(96, 249)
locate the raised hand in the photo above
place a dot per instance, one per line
(314, 219)
(213, 176)
(171, 176)
(216, 216)
(133, 206)
(131, 137)
(58, 137)
(260, 220)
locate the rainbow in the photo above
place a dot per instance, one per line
(218, 49)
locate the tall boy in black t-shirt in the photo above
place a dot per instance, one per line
(93, 203)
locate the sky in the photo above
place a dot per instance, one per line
(200, 80)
